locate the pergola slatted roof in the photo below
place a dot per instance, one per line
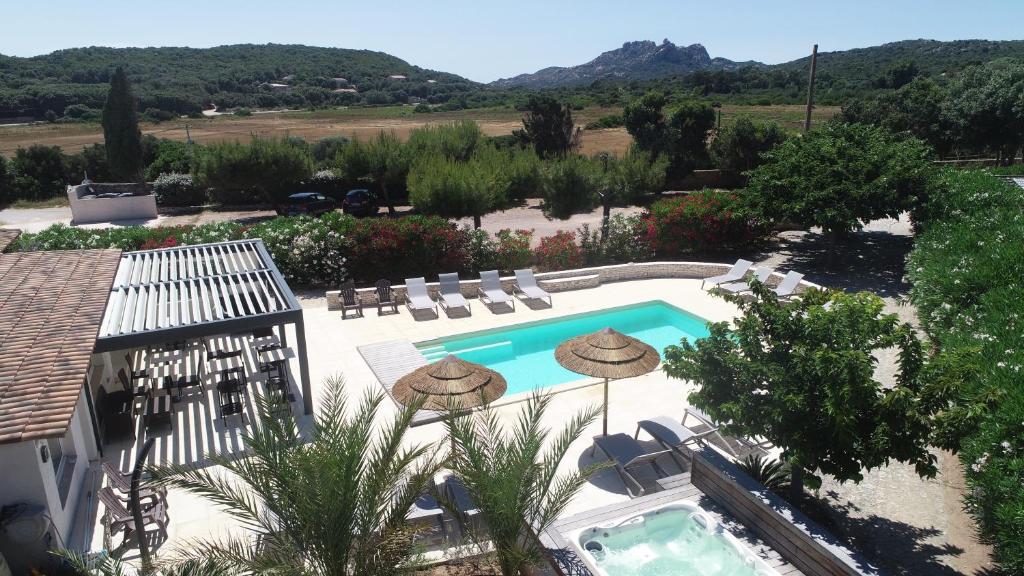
(189, 291)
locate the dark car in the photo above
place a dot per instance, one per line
(360, 202)
(309, 203)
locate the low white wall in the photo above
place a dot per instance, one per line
(141, 206)
(581, 278)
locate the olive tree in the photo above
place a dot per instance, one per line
(802, 375)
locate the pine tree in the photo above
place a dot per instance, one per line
(121, 130)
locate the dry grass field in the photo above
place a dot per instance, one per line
(359, 123)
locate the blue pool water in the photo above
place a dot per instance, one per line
(525, 354)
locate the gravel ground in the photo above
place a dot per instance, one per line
(906, 524)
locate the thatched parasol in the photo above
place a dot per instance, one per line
(607, 354)
(450, 382)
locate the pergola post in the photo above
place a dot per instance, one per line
(300, 337)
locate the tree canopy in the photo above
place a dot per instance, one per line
(549, 127)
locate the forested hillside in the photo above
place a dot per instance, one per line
(185, 80)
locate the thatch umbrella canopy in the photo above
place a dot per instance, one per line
(607, 354)
(451, 382)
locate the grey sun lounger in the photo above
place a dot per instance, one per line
(451, 292)
(787, 288)
(526, 285)
(713, 430)
(737, 272)
(762, 275)
(417, 297)
(491, 291)
(458, 498)
(626, 454)
(671, 433)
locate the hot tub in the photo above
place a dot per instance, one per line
(677, 539)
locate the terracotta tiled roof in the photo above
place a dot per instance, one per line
(51, 305)
(7, 236)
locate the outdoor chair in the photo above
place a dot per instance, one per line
(737, 272)
(385, 297)
(230, 391)
(266, 333)
(491, 291)
(459, 500)
(114, 412)
(426, 511)
(762, 275)
(671, 434)
(135, 392)
(787, 288)
(451, 292)
(132, 372)
(627, 454)
(122, 486)
(713, 430)
(350, 300)
(218, 353)
(526, 284)
(119, 518)
(416, 295)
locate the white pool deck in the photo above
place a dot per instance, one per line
(332, 349)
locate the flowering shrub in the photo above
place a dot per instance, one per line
(706, 220)
(627, 241)
(513, 249)
(967, 270)
(175, 189)
(559, 252)
(398, 248)
(308, 251)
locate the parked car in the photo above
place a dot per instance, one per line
(360, 202)
(309, 203)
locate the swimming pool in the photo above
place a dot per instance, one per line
(525, 353)
(673, 540)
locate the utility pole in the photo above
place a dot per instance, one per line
(810, 89)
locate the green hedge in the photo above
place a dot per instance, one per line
(967, 270)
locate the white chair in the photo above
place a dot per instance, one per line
(491, 291)
(526, 284)
(417, 297)
(451, 292)
(762, 275)
(737, 272)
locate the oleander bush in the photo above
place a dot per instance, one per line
(627, 241)
(176, 189)
(967, 271)
(558, 252)
(407, 247)
(709, 220)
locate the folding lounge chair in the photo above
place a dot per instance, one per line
(762, 275)
(451, 292)
(491, 291)
(713, 430)
(526, 284)
(458, 498)
(626, 453)
(417, 297)
(122, 483)
(426, 510)
(787, 288)
(671, 433)
(737, 272)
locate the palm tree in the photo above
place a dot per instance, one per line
(334, 506)
(112, 566)
(511, 478)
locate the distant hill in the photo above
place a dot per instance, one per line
(641, 60)
(854, 69)
(184, 80)
(862, 66)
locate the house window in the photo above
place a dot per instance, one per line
(56, 453)
(62, 456)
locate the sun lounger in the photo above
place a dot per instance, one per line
(417, 297)
(787, 288)
(670, 433)
(737, 272)
(713, 430)
(451, 292)
(491, 291)
(526, 284)
(626, 454)
(762, 275)
(426, 511)
(459, 499)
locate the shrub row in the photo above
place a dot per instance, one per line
(967, 270)
(327, 250)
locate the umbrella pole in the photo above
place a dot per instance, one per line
(605, 406)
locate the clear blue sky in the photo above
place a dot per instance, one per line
(485, 40)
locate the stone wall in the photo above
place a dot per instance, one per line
(580, 278)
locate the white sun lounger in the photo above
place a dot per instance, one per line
(491, 291)
(416, 295)
(526, 285)
(787, 288)
(762, 275)
(737, 272)
(451, 292)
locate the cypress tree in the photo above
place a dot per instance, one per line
(121, 130)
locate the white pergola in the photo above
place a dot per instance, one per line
(191, 292)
